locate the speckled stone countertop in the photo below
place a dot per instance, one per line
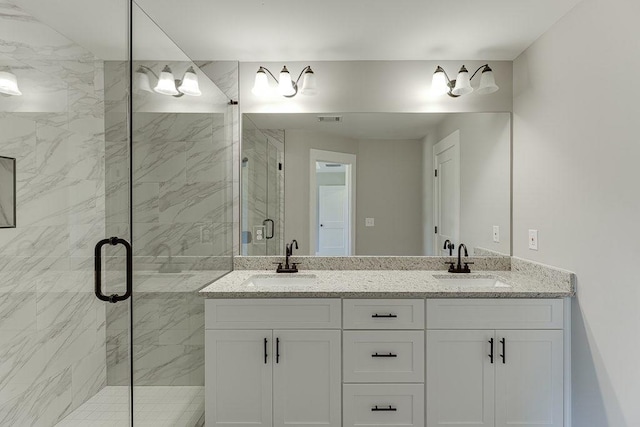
(529, 282)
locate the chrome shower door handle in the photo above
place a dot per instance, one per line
(113, 241)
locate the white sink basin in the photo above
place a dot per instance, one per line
(472, 281)
(283, 279)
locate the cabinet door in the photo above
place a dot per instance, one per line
(529, 381)
(238, 378)
(460, 378)
(306, 378)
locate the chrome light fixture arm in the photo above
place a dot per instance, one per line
(145, 68)
(452, 83)
(178, 82)
(294, 83)
(482, 67)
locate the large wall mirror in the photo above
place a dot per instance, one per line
(402, 184)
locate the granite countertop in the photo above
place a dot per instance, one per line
(390, 284)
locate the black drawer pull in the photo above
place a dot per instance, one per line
(384, 316)
(377, 409)
(503, 341)
(384, 355)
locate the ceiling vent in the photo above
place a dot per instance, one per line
(329, 119)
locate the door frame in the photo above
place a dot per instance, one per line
(350, 183)
(451, 140)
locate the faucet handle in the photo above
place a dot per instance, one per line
(451, 266)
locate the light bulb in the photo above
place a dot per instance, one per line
(189, 85)
(9, 84)
(487, 82)
(261, 83)
(166, 83)
(463, 83)
(309, 84)
(285, 84)
(142, 80)
(439, 83)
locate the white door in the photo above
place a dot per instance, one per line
(529, 384)
(333, 220)
(460, 378)
(446, 155)
(307, 378)
(238, 378)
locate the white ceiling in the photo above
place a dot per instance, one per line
(304, 30)
(395, 126)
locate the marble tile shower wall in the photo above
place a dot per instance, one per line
(52, 328)
(254, 150)
(182, 217)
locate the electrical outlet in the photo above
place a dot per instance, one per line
(496, 234)
(206, 234)
(258, 233)
(533, 240)
(369, 222)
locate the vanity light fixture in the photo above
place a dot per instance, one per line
(441, 83)
(9, 84)
(286, 86)
(167, 84)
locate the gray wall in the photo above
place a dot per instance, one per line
(485, 177)
(388, 179)
(296, 179)
(576, 178)
(366, 86)
(389, 183)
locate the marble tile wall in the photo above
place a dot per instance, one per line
(183, 220)
(52, 328)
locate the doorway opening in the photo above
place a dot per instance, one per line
(332, 203)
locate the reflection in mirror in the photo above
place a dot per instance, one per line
(7, 192)
(396, 184)
(262, 190)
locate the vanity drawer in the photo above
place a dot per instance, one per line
(397, 405)
(495, 314)
(273, 313)
(383, 314)
(383, 356)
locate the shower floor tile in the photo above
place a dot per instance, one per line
(158, 406)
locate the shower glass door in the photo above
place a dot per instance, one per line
(181, 223)
(262, 190)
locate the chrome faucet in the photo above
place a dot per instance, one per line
(293, 268)
(459, 268)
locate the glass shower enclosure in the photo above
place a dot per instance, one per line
(262, 190)
(124, 189)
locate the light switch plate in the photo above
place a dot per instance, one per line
(369, 222)
(496, 234)
(533, 240)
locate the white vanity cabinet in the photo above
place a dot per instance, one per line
(273, 376)
(383, 362)
(480, 374)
